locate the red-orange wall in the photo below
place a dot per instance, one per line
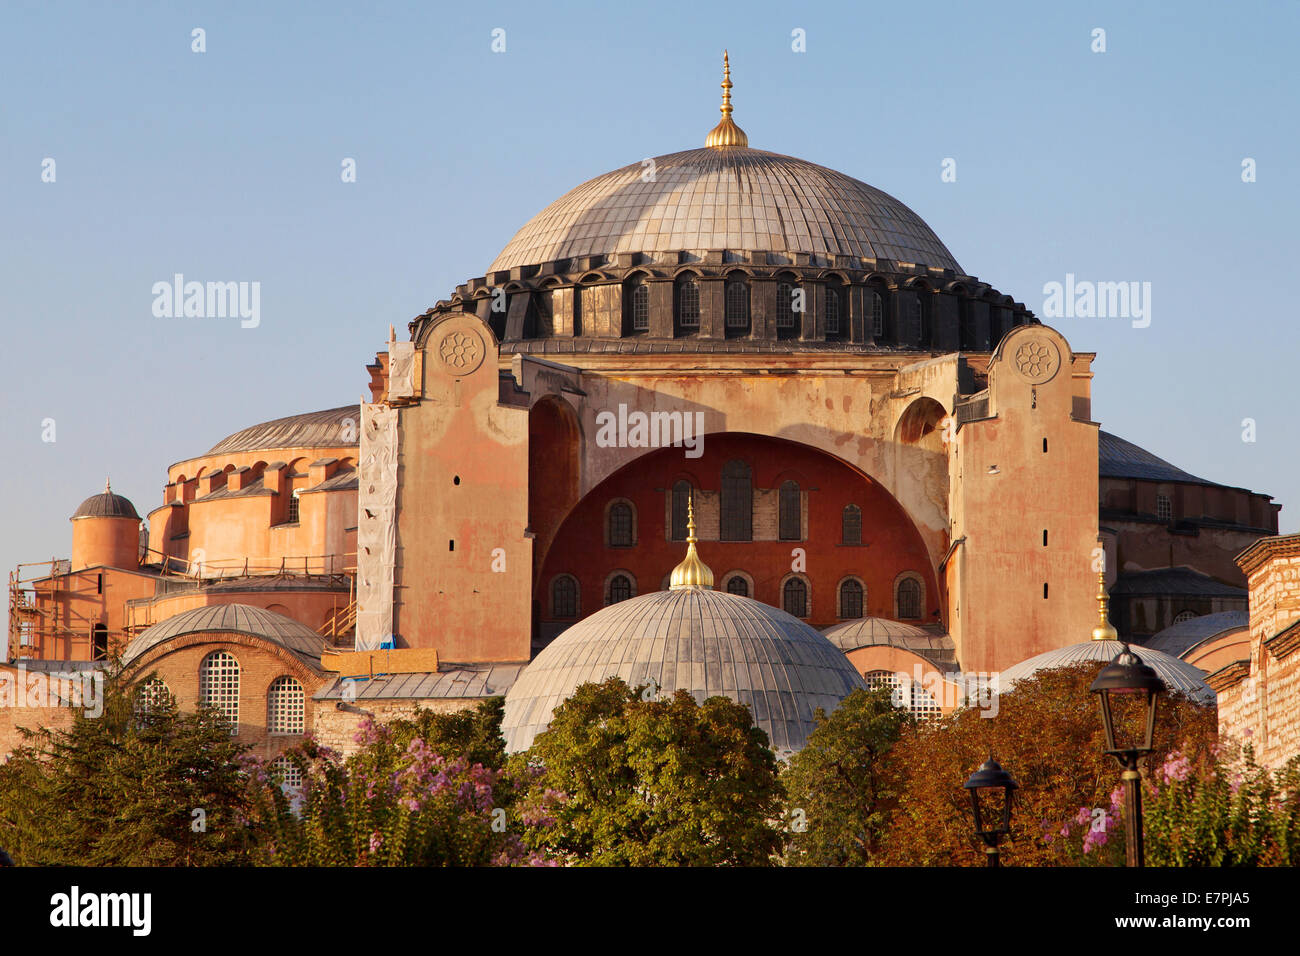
(892, 544)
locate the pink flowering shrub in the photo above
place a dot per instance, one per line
(394, 805)
(1221, 809)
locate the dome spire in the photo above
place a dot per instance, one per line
(1103, 631)
(692, 572)
(726, 133)
(108, 487)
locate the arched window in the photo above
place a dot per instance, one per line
(832, 312)
(621, 533)
(787, 325)
(688, 305)
(909, 599)
(1184, 616)
(736, 584)
(851, 525)
(905, 693)
(577, 309)
(790, 519)
(285, 707)
(287, 774)
(151, 696)
(219, 686)
(641, 307)
(737, 506)
(851, 599)
(1164, 507)
(564, 597)
(681, 497)
(737, 307)
(794, 597)
(620, 589)
(922, 319)
(877, 306)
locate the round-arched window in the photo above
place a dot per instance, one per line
(219, 686)
(285, 707)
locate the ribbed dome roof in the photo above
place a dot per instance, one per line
(1178, 675)
(734, 198)
(106, 504)
(323, 429)
(298, 638)
(704, 641)
(882, 632)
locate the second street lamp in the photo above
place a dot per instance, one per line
(992, 822)
(1124, 685)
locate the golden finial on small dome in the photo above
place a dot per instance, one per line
(692, 572)
(726, 133)
(1103, 631)
(108, 487)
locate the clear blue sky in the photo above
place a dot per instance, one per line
(225, 166)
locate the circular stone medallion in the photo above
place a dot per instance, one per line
(461, 351)
(1038, 360)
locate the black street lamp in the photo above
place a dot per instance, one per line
(991, 823)
(1129, 683)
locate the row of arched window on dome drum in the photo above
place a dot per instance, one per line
(851, 603)
(736, 512)
(219, 681)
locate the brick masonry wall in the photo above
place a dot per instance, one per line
(336, 727)
(1263, 708)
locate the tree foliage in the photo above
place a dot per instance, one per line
(1220, 808)
(1047, 734)
(155, 789)
(658, 782)
(395, 802)
(840, 793)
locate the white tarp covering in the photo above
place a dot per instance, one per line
(401, 370)
(376, 525)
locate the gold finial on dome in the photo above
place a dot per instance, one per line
(692, 572)
(1103, 631)
(726, 133)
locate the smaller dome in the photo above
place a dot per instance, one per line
(696, 639)
(1178, 675)
(1177, 639)
(848, 636)
(106, 505)
(297, 638)
(323, 429)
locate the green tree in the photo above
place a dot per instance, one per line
(663, 782)
(124, 789)
(840, 793)
(474, 734)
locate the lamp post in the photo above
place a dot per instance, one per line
(1126, 679)
(991, 826)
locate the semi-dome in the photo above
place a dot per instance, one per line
(697, 639)
(732, 198)
(883, 632)
(107, 504)
(294, 636)
(1178, 675)
(330, 428)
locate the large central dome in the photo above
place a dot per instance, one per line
(726, 198)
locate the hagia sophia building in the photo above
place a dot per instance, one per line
(724, 420)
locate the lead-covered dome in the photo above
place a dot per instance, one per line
(106, 504)
(1178, 675)
(707, 642)
(729, 198)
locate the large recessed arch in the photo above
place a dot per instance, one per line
(892, 542)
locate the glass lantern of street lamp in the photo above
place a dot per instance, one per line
(983, 783)
(1123, 684)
